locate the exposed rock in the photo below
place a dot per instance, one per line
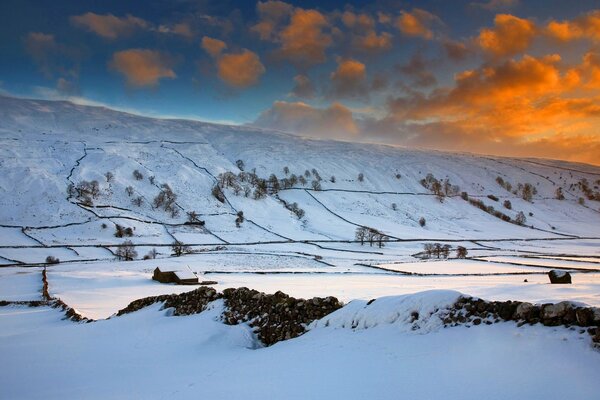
(557, 276)
(275, 317)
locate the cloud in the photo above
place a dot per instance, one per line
(334, 122)
(214, 47)
(303, 87)
(272, 14)
(362, 21)
(304, 41)
(361, 32)
(349, 79)
(181, 28)
(416, 68)
(417, 23)
(530, 107)
(518, 107)
(109, 26)
(300, 33)
(142, 67)
(510, 35)
(371, 42)
(455, 50)
(493, 5)
(240, 69)
(586, 26)
(55, 60)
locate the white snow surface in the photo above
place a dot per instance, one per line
(358, 352)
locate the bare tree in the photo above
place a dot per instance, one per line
(422, 221)
(361, 177)
(316, 185)
(52, 260)
(461, 252)
(126, 251)
(240, 164)
(129, 190)
(240, 219)
(520, 218)
(559, 195)
(361, 234)
(138, 201)
(109, 176)
(151, 255)
(179, 248)
(286, 170)
(138, 175)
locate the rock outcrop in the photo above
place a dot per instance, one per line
(559, 276)
(274, 317)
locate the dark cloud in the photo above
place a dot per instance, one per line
(303, 87)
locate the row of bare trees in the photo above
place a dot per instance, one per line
(364, 234)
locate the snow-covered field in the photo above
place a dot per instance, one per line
(148, 355)
(45, 146)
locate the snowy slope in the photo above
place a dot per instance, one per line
(47, 145)
(357, 352)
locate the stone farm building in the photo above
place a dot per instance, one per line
(180, 277)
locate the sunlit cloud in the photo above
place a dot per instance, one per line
(510, 35)
(349, 80)
(585, 26)
(142, 67)
(240, 69)
(335, 122)
(417, 23)
(109, 26)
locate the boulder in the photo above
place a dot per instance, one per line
(557, 276)
(524, 311)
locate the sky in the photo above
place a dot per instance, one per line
(503, 77)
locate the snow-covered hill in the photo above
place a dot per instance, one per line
(48, 145)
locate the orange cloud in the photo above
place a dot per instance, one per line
(271, 13)
(586, 26)
(372, 42)
(240, 69)
(304, 41)
(349, 79)
(336, 121)
(143, 67)
(518, 107)
(510, 35)
(362, 21)
(109, 26)
(214, 47)
(416, 23)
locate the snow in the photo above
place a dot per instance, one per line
(460, 267)
(20, 284)
(150, 355)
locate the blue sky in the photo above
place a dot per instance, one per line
(386, 71)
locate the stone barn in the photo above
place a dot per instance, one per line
(180, 277)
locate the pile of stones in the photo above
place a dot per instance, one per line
(187, 303)
(471, 310)
(274, 317)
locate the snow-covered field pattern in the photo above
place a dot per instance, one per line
(100, 198)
